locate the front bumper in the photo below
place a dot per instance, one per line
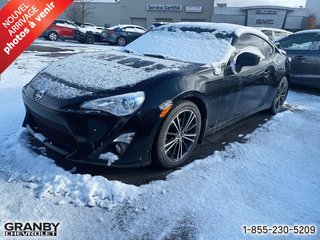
(83, 137)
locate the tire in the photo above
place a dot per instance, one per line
(178, 135)
(53, 36)
(121, 41)
(281, 95)
(90, 39)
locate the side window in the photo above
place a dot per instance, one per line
(140, 30)
(315, 46)
(268, 33)
(302, 41)
(130, 29)
(254, 44)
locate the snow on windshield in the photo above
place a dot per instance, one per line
(190, 46)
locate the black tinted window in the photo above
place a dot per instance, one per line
(302, 41)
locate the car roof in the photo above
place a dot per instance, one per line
(125, 25)
(238, 30)
(273, 29)
(309, 31)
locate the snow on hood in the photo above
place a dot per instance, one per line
(83, 74)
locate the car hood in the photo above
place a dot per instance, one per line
(85, 74)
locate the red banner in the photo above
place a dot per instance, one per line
(21, 22)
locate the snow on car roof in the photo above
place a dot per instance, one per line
(228, 27)
(124, 25)
(273, 29)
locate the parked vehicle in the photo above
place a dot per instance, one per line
(157, 24)
(60, 29)
(275, 34)
(153, 100)
(89, 25)
(304, 49)
(122, 34)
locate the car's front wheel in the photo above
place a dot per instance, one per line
(53, 36)
(280, 97)
(90, 39)
(121, 41)
(178, 135)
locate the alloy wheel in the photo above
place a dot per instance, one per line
(53, 36)
(121, 41)
(281, 95)
(181, 136)
(90, 39)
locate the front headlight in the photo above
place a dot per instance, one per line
(120, 105)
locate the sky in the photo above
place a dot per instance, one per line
(287, 3)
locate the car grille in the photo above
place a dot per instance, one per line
(58, 134)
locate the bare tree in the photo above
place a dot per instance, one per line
(311, 22)
(79, 10)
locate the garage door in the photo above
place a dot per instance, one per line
(192, 20)
(139, 21)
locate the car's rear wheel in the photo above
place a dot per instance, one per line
(90, 39)
(281, 96)
(178, 135)
(53, 36)
(121, 41)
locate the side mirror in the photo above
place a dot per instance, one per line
(248, 59)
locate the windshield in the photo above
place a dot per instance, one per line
(186, 43)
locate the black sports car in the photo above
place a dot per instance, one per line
(157, 98)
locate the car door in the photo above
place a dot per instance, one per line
(313, 78)
(304, 58)
(140, 31)
(213, 90)
(69, 30)
(246, 89)
(130, 33)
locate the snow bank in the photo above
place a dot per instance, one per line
(42, 175)
(271, 179)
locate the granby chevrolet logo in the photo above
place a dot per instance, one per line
(42, 229)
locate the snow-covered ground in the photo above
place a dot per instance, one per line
(272, 178)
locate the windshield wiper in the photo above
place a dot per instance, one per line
(156, 55)
(127, 50)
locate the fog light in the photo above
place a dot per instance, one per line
(121, 148)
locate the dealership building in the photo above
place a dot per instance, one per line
(146, 12)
